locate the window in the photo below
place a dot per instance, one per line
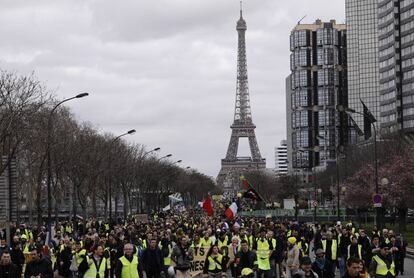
(327, 36)
(327, 77)
(326, 96)
(327, 56)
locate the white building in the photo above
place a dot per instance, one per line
(281, 160)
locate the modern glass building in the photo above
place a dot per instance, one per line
(362, 57)
(396, 65)
(318, 83)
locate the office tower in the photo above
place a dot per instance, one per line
(396, 65)
(281, 160)
(362, 57)
(318, 85)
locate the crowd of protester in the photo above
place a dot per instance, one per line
(165, 245)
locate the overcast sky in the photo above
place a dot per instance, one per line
(164, 67)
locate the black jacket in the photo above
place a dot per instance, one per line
(326, 272)
(9, 271)
(152, 260)
(244, 260)
(43, 266)
(63, 262)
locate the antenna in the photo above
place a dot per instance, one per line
(301, 19)
(241, 8)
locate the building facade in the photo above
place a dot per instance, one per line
(396, 65)
(318, 84)
(362, 57)
(281, 159)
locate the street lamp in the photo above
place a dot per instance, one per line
(166, 156)
(49, 160)
(129, 132)
(151, 151)
(178, 161)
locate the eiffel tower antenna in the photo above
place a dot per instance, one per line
(232, 166)
(241, 9)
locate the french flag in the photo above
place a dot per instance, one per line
(231, 211)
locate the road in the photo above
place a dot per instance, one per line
(409, 269)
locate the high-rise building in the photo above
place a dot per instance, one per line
(281, 160)
(362, 57)
(318, 85)
(396, 65)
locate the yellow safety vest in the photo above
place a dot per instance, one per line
(222, 243)
(144, 243)
(129, 268)
(26, 249)
(303, 251)
(206, 244)
(263, 254)
(92, 272)
(359, 251)
(382, 268)
(28, 234)
(79, 256)
(249, 239)
(334, 247)
(213, 265)
(69, 229)
(167, 260)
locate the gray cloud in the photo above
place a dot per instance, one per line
(164, 67)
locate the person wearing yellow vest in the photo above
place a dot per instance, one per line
(330, 247)
(354, 249)
(95, 265)
(292, 260)
(382, 265)
(79, 255)
(263, 247)
(205, 241)
(303, 246)
(215, 263)
(166, 247)
(222, 241)
(64, 258)
(128, 265)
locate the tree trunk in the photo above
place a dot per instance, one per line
(39, 203)
(94, 209)
(116, 208)
(296, 207)
(402, 219)
(126, 203)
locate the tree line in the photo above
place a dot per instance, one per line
(91, 170)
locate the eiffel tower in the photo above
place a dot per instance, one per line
(232, 167)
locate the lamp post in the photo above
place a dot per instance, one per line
(178, 161)
(49, 160)
(129, 132)
(151, 151)
(166, 156)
